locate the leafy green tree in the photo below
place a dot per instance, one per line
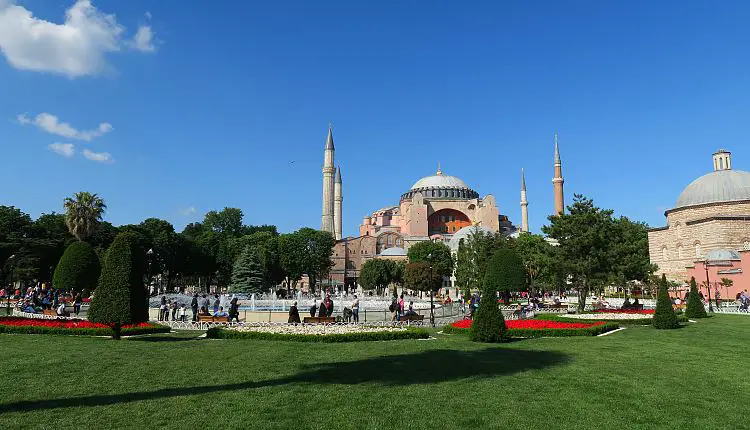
(78, 268)
(473, 256)
(418, 276)
(83, 213)
(694, 308)
(630, 251)
(463, 268)
(306, 252)
(14, 226)
(247, 275)
(435, 254)
(121, 296)
(664, 316)
(227, 222)
(537, 256)
(505, 272)
(291, 258)
(585, 235)
(377, 274)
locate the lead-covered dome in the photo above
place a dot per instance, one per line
(439, 180)
(441, 186)
(719, 186)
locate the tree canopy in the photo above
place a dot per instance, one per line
(83, 213)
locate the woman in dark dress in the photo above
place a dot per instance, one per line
(234, 310)
(293, 314)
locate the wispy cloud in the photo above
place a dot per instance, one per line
(102, 157)
(143, 40)
(51, 124)
(64, 149)
(77, 47)
(187, 211)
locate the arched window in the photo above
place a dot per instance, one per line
(679, 251)
(698, 251)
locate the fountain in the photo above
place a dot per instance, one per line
(252, 302)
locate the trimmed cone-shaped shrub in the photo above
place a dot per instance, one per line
(695, 308)
(505, 272)
(664, 316)
(247, 273)
(78, 268)
(121, 296)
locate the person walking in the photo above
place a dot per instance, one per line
(293, 314)
(234, 310)
(194, 307)
(77, 303)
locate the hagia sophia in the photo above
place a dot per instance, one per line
(708, 230)
(438, 207)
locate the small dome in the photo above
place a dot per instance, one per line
(715, 187)
(439, 181)
(723, 255)
(464, 233)
(393, 252)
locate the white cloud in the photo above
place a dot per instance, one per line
(64, 149)
(143, 40)
(77, 47)
(187, 211)
(102, 157)
(51, 124)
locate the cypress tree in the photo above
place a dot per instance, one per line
(695, 308)
(78, 268)
(121, 296)
(505, 272)
(664, 316)
(247, 273)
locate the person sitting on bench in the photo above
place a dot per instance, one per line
(61, 310)
(410, 312)
(221, 312)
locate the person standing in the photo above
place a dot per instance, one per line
(194, 307)
(718, 299)
(77, 303)
(293, 314)
(401, 305)
(355, 309)
(216, 303)
(314, 307)
(234, 310)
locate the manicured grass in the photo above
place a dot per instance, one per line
(693, 377)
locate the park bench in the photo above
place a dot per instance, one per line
(408, 318)
(553, 306)
(50, 312)
(212, 319)
(319, 320)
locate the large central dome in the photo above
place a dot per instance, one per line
(439, 180)
(715, 187)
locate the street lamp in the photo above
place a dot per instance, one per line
(149, 256)
(432, 306)
(7, 293)
(708, 285)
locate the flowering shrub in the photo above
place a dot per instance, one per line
(72, 327)
(541, 328)
(316, 333)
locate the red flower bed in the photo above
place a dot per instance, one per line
(61, 323)
(626, 311)
(534, 324)
(20, 325)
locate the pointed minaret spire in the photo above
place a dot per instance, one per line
(329, 170)
(338, 199)
(557, 181)
(524, 204)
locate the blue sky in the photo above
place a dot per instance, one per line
(185, 107)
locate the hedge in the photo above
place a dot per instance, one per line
(133, 331)
(639, 321)
(548, 332)
(409, 333)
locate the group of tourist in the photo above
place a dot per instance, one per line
(43, 298)
(398, 310)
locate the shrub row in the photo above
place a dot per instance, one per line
(546, 332)
(132, 331)
(638, 321)
(409, 333)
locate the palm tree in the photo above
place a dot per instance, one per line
(83, 213)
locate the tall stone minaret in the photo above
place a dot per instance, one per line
(326, 223)
(557, 182)
(338, 200)
(524, 205)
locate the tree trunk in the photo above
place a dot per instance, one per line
(116, 329)
(582, 293)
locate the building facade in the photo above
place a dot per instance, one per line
(711, 214)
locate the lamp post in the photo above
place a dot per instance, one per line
(708, 286)
(432, 306)
(149, 256)
(7, 293)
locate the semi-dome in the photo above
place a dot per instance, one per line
(393, 252)
(723, 255)
(718, 186)
(464, 233)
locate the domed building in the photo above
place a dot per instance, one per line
(711, 218)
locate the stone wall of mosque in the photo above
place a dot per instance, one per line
(692, 232)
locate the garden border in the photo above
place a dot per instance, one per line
(409, 333)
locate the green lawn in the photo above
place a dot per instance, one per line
(694, 377)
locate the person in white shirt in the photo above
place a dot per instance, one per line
(61, 309)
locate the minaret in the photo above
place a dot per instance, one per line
(326, 223)
(524, 205)
(338, 199)
(557, 182)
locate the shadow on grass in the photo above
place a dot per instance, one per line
(163, 338)
(392, 370)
